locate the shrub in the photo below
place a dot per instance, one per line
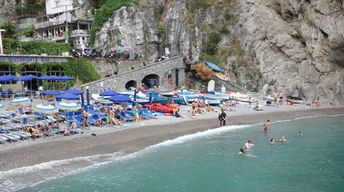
(228, 16)
(35, 47)
(9, 29)
(211, 46)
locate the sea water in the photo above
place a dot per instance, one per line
(210, 161)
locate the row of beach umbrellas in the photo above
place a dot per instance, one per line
(49, 109)
(45, 108)
(9, 78)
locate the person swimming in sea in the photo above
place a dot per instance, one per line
(248, 145)
(272, 141)
(299, 133)
(283, 140)
(242, 152)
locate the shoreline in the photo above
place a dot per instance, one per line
(138, 136)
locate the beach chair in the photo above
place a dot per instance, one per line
(126, 117)
(145, 114)
(3, 139)
(14, 127)
(70, 119)
(25, 120)
(11, 137)
(21, 110)
(23, 135)
(78, 120)
(91, 120)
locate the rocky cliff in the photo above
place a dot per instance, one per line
(7, 11)
(294, 46)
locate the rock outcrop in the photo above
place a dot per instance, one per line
(298, 44)
(7, 11)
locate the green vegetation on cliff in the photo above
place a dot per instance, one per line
(34, 47)
(104, 13)
(29, 8)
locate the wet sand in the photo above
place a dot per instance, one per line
(138, 136)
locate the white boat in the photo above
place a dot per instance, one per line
(214, 102)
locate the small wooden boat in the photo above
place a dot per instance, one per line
(295, 100)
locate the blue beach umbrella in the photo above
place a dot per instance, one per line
(8, 78)
(74, 91)
(109, 93)
(20, 101)
(51, 92)
(45, 108)
(65, 78)
(48, 78)
(68, 106)
(27, 77)
(68, 96)
(120, 98)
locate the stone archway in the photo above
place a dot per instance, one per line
(151, 80)
(130, 84)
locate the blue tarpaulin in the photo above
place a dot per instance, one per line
(214, 67)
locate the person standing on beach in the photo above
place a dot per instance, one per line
(266, 126)
(222, 117)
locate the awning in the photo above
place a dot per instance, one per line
(214, 67)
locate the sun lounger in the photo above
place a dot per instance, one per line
(126, 117)
(145, 113)
(75, 131)
(3, 130)
(91, 121)
(14, 127)
(3, 139)
(11, 137)
(23, 135)
(78, 121)
(4, 121)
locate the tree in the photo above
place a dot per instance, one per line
(204, 73)
(9, 29)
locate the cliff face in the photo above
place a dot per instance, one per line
(300, 44)
(7, 10)
(294, 46)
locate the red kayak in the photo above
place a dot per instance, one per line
(158, 107)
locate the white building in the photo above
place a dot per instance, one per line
(53, 7)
